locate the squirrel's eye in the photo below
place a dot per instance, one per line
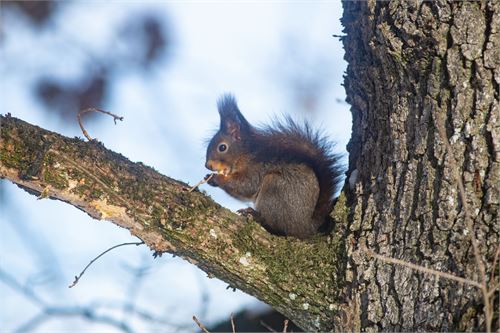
(222, 147)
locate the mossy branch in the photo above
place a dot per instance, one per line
(299, 278)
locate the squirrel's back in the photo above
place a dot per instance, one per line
(287, 169)
(287, 141)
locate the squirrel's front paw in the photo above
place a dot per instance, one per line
(248, 212)
(214, 179)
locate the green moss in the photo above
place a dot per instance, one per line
(17, 156)
(307, 269)
(157, 214)
(10, 159)
(340, 211)
(289, 262)
(55, 179)
(468, 316)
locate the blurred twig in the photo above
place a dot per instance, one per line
(269, 328)
(49, 311)
(232, 323)
(285, 325)
(91, 312)
(200, 325)
(79, 117)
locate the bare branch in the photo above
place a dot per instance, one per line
(495, 263)
(200, 325)
(285, 326)
(24, 290)
(421, 268)
(90, 312)
(469, 222)
(79, 117)
(159, 211)
(266, 326)
(232, 323)
(82, 312)
(77, 278)
(493, 288)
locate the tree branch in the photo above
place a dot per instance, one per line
(300, 279)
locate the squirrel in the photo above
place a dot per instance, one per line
(287, 170)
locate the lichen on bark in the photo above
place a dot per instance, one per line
(414, 66)
(299, 278)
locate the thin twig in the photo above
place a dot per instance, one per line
(465, 204)
(85, 313)
(24, 289)
(79, 117)
(493, 289)
(77, 278)
(285, 325)
(266, 326)
(495, 261)
(200, 325)
(421, 268)
(48, 311)
(205, 179)
(469, 224)
(232, 323)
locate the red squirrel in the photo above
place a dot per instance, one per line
(287, 170)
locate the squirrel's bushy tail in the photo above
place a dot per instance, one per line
(292, 142)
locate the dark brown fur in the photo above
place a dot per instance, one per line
(287, 170)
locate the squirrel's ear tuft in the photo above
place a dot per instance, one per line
(232, 121)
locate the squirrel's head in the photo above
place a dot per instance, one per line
(227, 147)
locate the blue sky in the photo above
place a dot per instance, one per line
(256, 50)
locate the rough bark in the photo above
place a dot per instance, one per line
(415, 67)
(299, 279)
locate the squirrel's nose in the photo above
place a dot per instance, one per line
(209, 165)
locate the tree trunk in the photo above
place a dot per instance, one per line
(423, 82)
(422, 74)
